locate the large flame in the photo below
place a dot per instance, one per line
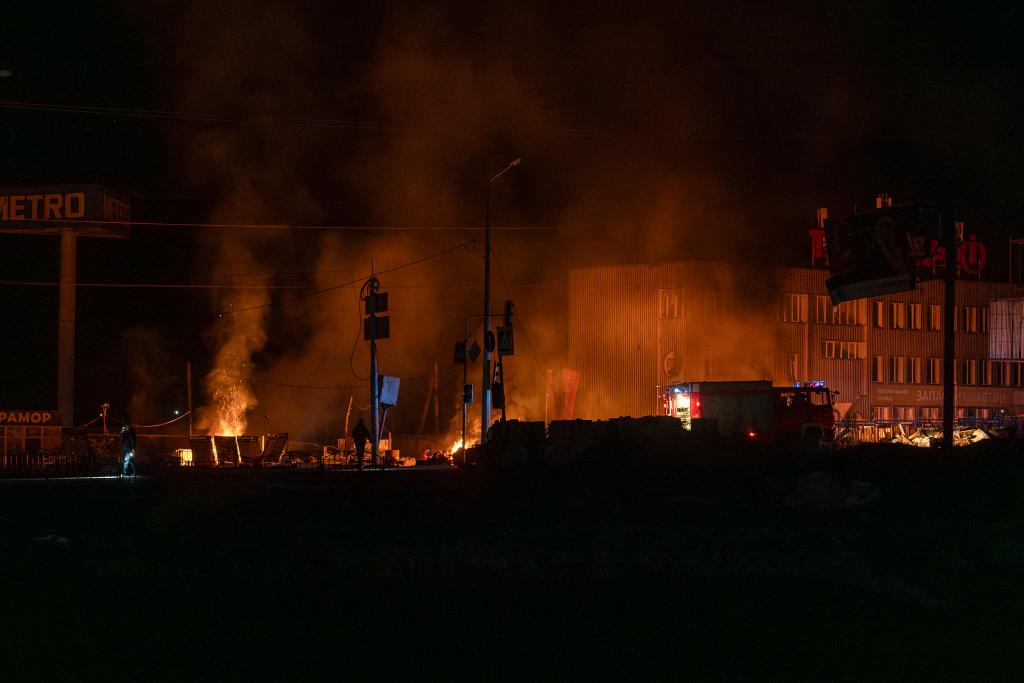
(231, 399)
(231, 395)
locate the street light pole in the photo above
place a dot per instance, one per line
(485, 387)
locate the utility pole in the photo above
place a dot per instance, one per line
(948, 224)
(374, 380)
(188, 385)
(437, 386)
(375, 327)
(485, 389)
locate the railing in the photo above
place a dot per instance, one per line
(852, 432)
(55, 463)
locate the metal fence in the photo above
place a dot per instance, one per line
(62, 462)
(853, 432)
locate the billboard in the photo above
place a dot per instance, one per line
(91, 210)
(877, 252)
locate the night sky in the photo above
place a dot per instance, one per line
(653, 132)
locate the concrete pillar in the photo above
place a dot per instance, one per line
(66, 328)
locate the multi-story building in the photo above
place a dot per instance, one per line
(636, 328)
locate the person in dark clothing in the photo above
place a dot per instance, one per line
(360, 435)
(128, 450)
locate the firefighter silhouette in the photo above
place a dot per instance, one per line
(127, 449)
(360, 435)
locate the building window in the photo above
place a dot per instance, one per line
(897, 369)
(915, 316)
(970, 318)
(844, 350)
(850, 313)
(879, 314)
(985, 372)
(934, 371)
(669, 303)
(793, 366)
(930, 413)
(898, 315)
(1002, 373)
(914, 371)
(969, 371)
(934, 317)
(984, 321)
(853, 350)
(881, 412)
(794, 308)
(821, 306)
(904, 412)
(878, 369)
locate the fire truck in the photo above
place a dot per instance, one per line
(755, 409)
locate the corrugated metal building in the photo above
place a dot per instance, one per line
(636, 328)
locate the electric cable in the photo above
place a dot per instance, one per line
(349, 283)
(58, 222)
(292, 121)
(344, 387)
(529, 344)
(143, 285)
(164, 424)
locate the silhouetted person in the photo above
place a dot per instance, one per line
(360, 435)
(128, 450)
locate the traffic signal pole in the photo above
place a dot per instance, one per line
(948, 223)
(485, 389)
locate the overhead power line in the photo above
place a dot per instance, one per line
(324, 290)
(145, 285)
(313, 387)
(288, 226)
(130, 112)
(291, 121)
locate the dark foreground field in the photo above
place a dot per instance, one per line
(738, 565)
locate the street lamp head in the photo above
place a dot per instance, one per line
(512, 164)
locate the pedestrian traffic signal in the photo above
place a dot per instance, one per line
(506, 342)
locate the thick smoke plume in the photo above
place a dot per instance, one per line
(638, 150)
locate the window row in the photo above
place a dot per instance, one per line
(900, 370)
(793, 308)
(971, 371)
(896, 315)
(931, 412)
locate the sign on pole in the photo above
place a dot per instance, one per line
(506, 342)
(876, 252)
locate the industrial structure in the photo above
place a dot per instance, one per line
(635, 329)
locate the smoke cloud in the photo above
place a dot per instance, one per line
(637, 134)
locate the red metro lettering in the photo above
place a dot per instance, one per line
(972, 256)
(34, 207)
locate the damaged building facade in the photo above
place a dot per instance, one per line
(635, 329)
